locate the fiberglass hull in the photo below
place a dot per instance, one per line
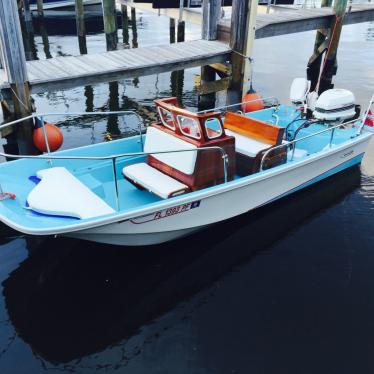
(178, 217)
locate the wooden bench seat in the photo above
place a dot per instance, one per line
(252, 139)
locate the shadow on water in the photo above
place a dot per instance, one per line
(69, 300)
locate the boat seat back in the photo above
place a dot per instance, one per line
(254, 128)
(158, 141)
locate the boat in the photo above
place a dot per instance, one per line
(185, 172)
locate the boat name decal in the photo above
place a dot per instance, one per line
(166, 212)
(347, 154)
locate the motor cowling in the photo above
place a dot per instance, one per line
(336, 104)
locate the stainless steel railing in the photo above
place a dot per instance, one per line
(42, 115)
(114, 158)
(293, 142)
(225, 107)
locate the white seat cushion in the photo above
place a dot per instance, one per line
(247, 146)
(60, 193)
(298, 153)
(153, 180)
(158, 141)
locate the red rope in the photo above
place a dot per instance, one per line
(6, 196)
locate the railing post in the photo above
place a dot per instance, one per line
(331, 137)
(115, 182)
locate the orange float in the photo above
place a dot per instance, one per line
(252, 107)
(54, 136)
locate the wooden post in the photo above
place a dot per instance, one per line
(45, 39)
(177, 84)
(322, 33)
(243, 22)
(211, 16)
(181, 31)
(39, 8)
(320, 45)
(125, 24)
(172, 30)
(207, 101)
(110, 24)
(81, 27)
(15, 66)
(28, 32)
(27, 16)
(330, 65)
(134, 28)
(181, 23)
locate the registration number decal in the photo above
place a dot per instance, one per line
(166, 212)
(347, 154)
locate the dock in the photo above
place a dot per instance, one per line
(70, 71)
(286, 20)
(281, 20)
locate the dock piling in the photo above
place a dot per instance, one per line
(13, 56)
(134, 28)
(39, 8)
(322, 66)
(330, 65)
(181, 24)
(172, 30)
(125, 24)
(81, 27)
(211, 15)
(243, 26)
(110, 24)
(27, 16)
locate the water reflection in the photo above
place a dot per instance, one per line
(70, 300)
(112, 129)
(177, 84)
(370, 32)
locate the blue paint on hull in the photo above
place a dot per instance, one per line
(343, 166)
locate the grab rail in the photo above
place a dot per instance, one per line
(114, 158)
(42, 115)
(289, 142)
(237, 104)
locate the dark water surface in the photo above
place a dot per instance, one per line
(287, 289)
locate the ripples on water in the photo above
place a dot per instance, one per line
(288, 289)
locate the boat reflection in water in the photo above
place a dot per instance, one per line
(70, 300)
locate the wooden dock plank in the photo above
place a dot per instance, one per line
(66, 72)
(287, 20)
(70, 71)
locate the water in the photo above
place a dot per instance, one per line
(288, 289)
